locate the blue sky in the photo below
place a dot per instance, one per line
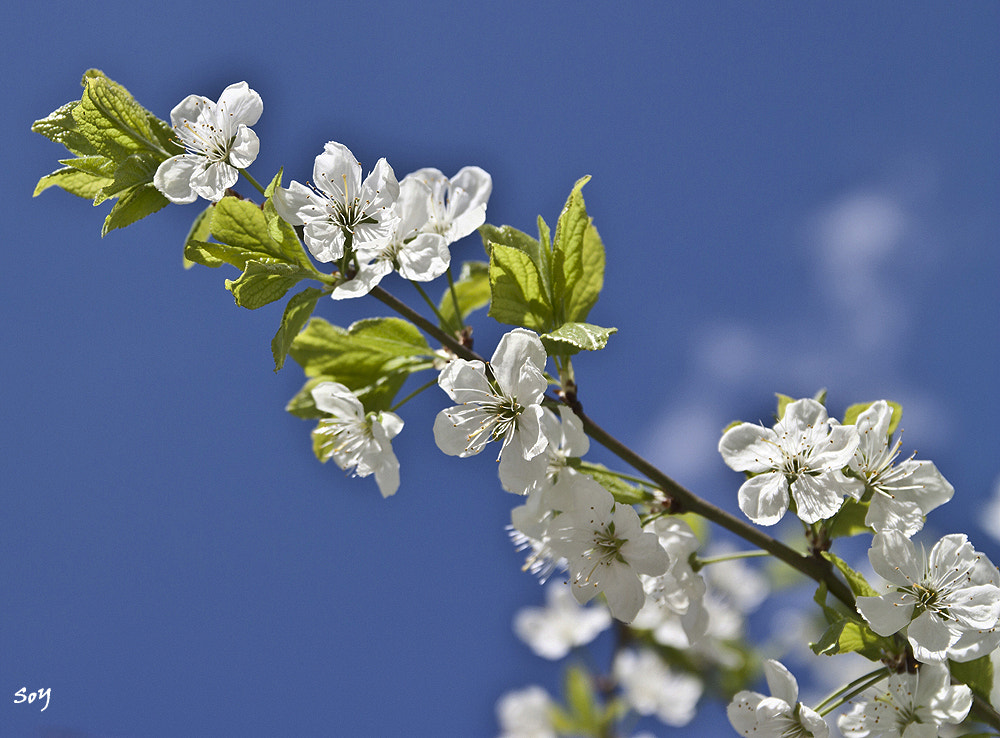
(791, 196)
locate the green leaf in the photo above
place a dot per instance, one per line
(241, 224)
(136, 170)
(117, 142)
(60, 127)
(73, 181)
(570, 338)
(977, 674)
(302, 405)
(274, 184)
(859, 585)
(852, 413)
(622, 491)
(283, 236)
(472, 288)
(200, 231)
(850, 520)
(516, 291)
(541, 256)
(372, 357)
(849, 636)
(110, 118)
(262, 283)
(581, 698)
(133, 204)
(578, 259)
(297, 312)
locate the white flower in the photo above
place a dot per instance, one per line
(604, 545)
(779, 716)
(679, 590)
(505, 408)
(566, 440)
(529, 528)
(902, 494)
(218, 140)
(457, 206)
(910, 706)
(948, 601)
(356, 441)
(339, 206)
(651, 687)
(803, 452)
(417, 256)
(526, 713)
(561, 625)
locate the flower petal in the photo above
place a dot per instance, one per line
(173, 177)
(764, 498)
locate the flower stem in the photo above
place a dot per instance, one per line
(454, 300)
(851, 691)
(428, 300)
(252, 181)
(413, 394)
(701, 563)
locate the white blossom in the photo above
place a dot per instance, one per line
(779, 716)
(218, 141)
(802, 453)
(909, 706)
(904, 493)
(653, 688)
(338, 206)
(948, 601)
(529, 529)
(552, 631)
(456, 206)
(358, 442)
(526, 713)
(505, 407)
(679, 590)
(566, 440)
(604, 545)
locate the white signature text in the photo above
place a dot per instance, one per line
(23, 695)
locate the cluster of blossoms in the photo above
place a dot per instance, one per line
(938, 607)
(946, 603)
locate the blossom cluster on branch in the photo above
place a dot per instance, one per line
(632, 546)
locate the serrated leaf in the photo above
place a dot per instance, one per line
(570, 338)
(133, 204)
(73, 181)
(111, 119)
(515, 239)
(852, 413)
(472, 290)
(297, 312)
(99, 166)
(137, 169)
(858, 584)
(241, 223)
(60, 127)
(516, 291)
(372, 357)
(578, 259)
(263, 283)
(977, 674)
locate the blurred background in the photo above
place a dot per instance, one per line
(792, 196)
